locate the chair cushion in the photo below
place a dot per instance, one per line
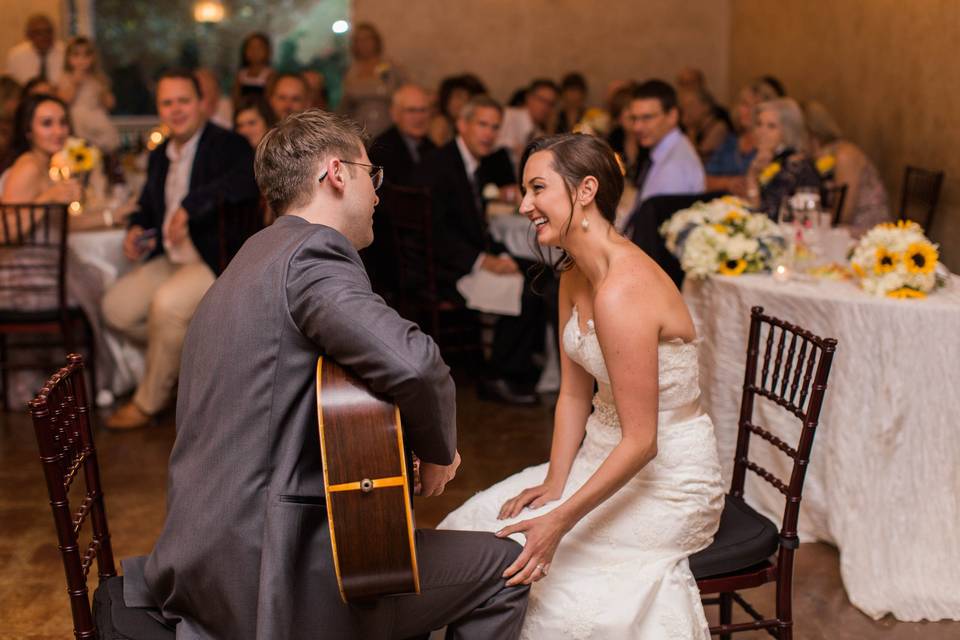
(116, 621)
(745, 538)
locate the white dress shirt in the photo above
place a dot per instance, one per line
(516, 130)
(23, 62)
(176, 188)
(676, 168)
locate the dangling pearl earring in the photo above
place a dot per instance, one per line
(585, 223)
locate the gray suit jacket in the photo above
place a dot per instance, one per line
(245, 551)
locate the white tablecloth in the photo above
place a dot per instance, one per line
(102, 251)
(884, 478)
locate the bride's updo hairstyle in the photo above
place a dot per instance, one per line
(574, 157)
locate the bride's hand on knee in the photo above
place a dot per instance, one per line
(543, 535)
(534, 497)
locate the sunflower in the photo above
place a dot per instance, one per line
(731, 267)
(906, 293)
(769, 173)
(732, 216)
(920, 257)
(81, 159)
(886, 261)
(825, 164)
(719, 228)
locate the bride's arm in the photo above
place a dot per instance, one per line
(569, 420)
(628, 331)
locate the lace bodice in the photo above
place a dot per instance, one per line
(679, 368)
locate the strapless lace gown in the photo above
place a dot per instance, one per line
(622, 571)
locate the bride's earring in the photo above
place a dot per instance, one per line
(585, 224)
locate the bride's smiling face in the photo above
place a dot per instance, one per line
(546, 201)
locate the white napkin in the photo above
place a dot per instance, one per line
(491, 292)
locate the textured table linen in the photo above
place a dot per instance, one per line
(884, 478)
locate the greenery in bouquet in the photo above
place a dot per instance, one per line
(896, 260)
(722, 236)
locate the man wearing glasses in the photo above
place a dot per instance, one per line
(245, 551)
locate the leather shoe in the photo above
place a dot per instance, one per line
(129, 416)
(500, 390)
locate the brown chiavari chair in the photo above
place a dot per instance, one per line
(33, 292)
(921, 192)
(409, 214)
(748, 550)
(836, 196)
(61, 420)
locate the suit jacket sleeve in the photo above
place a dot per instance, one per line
(234, 183)
(330, 300)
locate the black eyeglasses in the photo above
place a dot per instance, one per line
(376, 173)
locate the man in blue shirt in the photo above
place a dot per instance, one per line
(673, 166)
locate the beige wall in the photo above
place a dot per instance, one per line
(509, 42)
(13, 18)
(887, 69)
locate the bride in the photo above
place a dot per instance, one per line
(632, 487)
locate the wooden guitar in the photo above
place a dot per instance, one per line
(366, 483)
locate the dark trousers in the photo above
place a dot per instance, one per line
(517, 338)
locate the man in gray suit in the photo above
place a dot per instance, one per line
(245, 550)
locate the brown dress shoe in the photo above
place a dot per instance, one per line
(129, 416)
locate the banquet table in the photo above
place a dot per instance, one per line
(884, 477)
(96, 243)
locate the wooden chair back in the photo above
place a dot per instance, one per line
(409, 213)
(920, 195)
(792, 374)
(61, 419)
(33, 256)
(835, 198)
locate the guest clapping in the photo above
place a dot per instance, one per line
(782, 163)
(173, 237)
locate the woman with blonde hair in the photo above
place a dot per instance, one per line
(840, 162)
(782, 164)
(86, 89)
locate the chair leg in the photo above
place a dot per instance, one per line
(726, 612)
(785, 594)
(4, 378)
(92, 362)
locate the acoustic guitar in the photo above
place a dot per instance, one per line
(367, 487)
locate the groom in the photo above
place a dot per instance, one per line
(245, 550)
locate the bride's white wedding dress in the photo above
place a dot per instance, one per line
(622, 571)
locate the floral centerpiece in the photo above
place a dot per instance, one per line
(76, 160)
(722, 236)
(896, 260)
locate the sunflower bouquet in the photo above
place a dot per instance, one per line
(896, 260)
(77, 158)
(722, 236)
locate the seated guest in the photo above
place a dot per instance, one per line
(672, 166)
(532, 120)
(621, 138)
(457, 174)
(691, 79)
(174, 234)
(40, 131)
(840, 162)
(703, 126)
(217, 108)
(400, 150)
(255, 70)
(782, 163)
(253, 118)
(454, 92)
(573, 101)
(317, 84)
(287, 93)
(39, 56)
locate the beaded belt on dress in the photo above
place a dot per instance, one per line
(606, 412)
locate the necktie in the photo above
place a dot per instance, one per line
(43, 64)
(478, 191)
(643, 170)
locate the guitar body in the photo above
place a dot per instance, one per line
(366, 484)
